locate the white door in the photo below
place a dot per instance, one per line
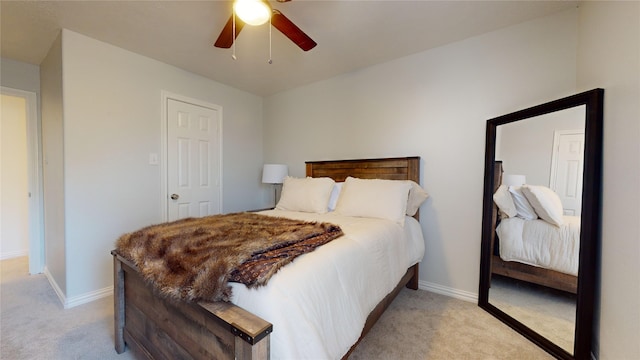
(566, 169)
(193, 160)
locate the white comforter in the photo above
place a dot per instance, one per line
(319, 303)
(538, 243)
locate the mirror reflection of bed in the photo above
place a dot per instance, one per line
(537, 204)
(535, 266)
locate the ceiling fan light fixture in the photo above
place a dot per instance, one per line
(252, 12)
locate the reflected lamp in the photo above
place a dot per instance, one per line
(514, 180)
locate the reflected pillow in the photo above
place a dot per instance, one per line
(503, 199)
(305, 194)
(545, 202)
(523, 208)
(376, 198)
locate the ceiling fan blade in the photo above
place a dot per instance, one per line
(225, 40)
(291, 31)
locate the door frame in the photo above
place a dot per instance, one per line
(164, 133)
(34, 178)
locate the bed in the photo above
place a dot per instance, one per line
(514, 262)
(245, 328)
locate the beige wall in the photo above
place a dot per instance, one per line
(19, 75)
(112, 122)
(609, 57)
(435, 105)
(53, 166)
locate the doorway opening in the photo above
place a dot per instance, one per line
(21, 179)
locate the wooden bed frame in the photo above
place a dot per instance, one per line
(520, 271)
(155, 328)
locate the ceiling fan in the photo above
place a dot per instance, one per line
(278, 20)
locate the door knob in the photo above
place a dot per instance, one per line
(175, 196)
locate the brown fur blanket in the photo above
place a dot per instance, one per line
(193, 259)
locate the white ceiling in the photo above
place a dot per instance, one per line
(351, 34)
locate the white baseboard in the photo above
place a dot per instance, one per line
(88, 297)
(447, 291)
(54, 285)
(14, 254)
(73, 301)
(108, 291)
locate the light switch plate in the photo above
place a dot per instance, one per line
(153, 159)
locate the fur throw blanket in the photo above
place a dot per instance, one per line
(193, 259)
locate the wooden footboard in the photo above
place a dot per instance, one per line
(156, 328)
(533, 274)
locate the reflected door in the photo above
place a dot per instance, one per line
(566, 169)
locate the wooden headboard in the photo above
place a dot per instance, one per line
(497, 181)
(404, 168)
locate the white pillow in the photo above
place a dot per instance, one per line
(545, 202)
(504, 201)
(335, 193)
(524, 209)
(306, 195)
(383, 199)
(417, 196)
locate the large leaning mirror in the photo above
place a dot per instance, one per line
(541, 222)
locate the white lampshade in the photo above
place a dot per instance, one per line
(514, 180)
(252, 12)
(274, 173)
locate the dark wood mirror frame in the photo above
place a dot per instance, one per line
(590, 222)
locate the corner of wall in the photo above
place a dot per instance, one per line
(53, 166)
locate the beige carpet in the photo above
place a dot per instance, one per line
(33, 324)
(549, 312)
(418, 325)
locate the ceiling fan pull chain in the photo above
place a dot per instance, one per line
(270, 61)
(233, 34)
